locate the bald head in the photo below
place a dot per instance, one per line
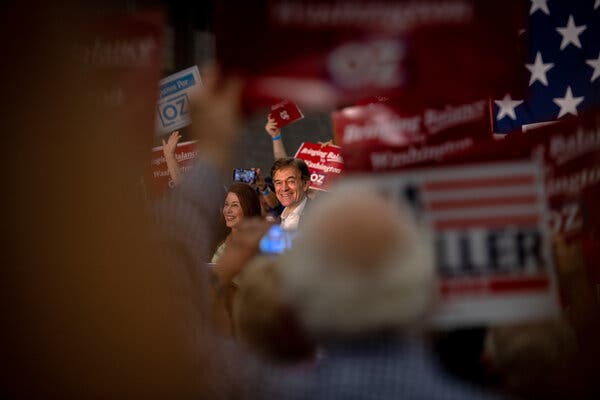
(360, 263)
(360, 231)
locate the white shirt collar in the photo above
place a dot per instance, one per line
(290, 219)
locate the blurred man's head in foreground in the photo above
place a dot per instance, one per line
(360, 265)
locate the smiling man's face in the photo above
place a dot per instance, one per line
(290, 189)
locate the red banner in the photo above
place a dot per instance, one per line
(325, 53)
(325, 163)
(124, 54)
(386, 137)
(570, 150)
(157, 179)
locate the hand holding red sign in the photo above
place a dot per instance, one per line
(271, 127)
(285, 113)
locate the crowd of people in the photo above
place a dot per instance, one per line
(111, 299)
(343, 313)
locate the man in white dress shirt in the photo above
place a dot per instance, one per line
(291, 179)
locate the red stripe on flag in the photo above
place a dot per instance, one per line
(437, 205)
(479, 183)
(488, 222)
(519, 284)
(470, 286)
(465, 286)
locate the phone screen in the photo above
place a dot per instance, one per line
(244, 175)
(276, 240)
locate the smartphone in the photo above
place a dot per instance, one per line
(276, 240)
(244, 175)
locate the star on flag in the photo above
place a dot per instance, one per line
(568, 104)
(538, 70)
(563, 61)
(539, 5)
(570, 33)
(594, 63)
(507, 107)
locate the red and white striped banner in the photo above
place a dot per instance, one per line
(488, 222)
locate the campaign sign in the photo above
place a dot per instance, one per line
(325, 163)
(173, 108)
(325, 54)
(572, 156)
(570, 151)
(121, 55)
(489, 236)
(285, 112)
(382, 136)
(157, 179)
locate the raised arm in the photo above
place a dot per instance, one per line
(264, 190)
(169, 152)
(275, 133)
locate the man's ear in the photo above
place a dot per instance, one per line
(306, 183)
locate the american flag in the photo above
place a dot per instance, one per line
(563, 61)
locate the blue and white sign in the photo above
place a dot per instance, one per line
(173, 108)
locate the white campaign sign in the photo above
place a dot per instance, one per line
(173, 108)
(488, 223)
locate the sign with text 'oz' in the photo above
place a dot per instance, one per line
(173, 108)
(285, 112)
(489, 229)
(325, 163)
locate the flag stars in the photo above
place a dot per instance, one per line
(594, 64)
(538, 70)
(541, 5)
(570, 33)
(567, 104)
(507, 107)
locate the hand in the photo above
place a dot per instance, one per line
(568, 257)
(260, 180)
(241, 248)
(327, 143)
(171, 144)
(271, 127)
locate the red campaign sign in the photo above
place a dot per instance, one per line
(572, 169)
(325, 54)
(157, 179)
(325, 163)
(285, 112)
(124, 51)
(381, 137)
(570, 150)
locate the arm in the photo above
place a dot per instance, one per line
(265, 191)
(169, 152)
(240, 249)
(275, 133)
